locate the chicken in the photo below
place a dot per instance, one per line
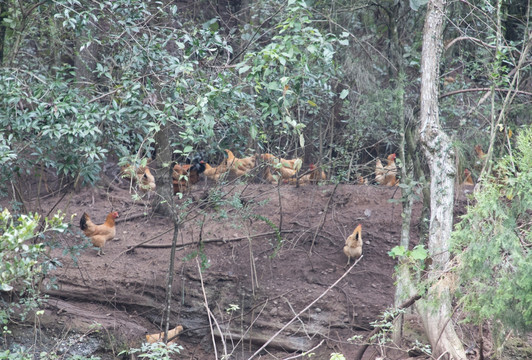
(386, 175)
(214, 173)
(480, 153)
(188, 174)
(468, 180)
(281, 169)
(147, 181)
(316, 174)
(153, 338)
(353, 244)
(99, 234)
(237, 166)
(271, 178)
(143, 177)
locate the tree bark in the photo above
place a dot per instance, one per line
(436, 312)
(403, 289)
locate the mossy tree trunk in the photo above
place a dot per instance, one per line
(436, 309)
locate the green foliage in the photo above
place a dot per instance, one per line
(20, 354)
(337, 356)
(414, 258)
(133, 77)
(291, 75)
(156, 351)
(492, 244)
(22, 259)
(55, 126)
(416, 254)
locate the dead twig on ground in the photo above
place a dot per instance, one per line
(164, 246)
(211, 316)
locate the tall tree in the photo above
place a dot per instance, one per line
(437, 311)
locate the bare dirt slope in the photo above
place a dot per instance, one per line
(241, 262)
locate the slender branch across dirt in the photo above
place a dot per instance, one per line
(305, 309)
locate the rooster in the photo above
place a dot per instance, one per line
(99, 234)
(237, 166)
(353, 244)
(185, 175)
(386, 175)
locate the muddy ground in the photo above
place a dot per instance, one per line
(267, 252)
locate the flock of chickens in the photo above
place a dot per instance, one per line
(276, 170)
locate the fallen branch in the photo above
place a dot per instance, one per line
(129, 218)
(164, 246)
(484, 89)
(363, 348)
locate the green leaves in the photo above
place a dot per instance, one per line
(418, 253)
(492, 244)
(416, 4)
(21, 256)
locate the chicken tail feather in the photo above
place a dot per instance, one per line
(83, 222)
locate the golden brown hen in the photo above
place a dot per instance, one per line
(386, 175)
(353, 244)
(99, 234)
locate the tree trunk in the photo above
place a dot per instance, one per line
(436, 312)
(403, 289)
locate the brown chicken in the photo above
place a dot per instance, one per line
(468, 180)
(183, 176)
(153, 338)
(239, 167)
(386, 175)
(214, 173)
(480, 153)
(363, 181)
(281, 169)
(142, 176)
(353, 244)
(316, 174)
(99, 234)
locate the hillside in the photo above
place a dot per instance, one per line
(243, 264)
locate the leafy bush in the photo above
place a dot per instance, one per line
(157, 351)
(21, 259)
(492, 244)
